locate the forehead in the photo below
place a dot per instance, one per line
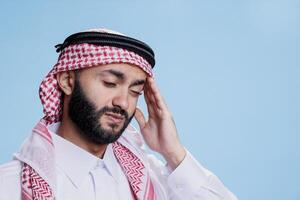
(129, 71)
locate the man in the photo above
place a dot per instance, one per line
(84, 147)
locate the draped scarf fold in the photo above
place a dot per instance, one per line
(38, 178)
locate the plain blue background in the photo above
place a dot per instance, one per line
(229, 71)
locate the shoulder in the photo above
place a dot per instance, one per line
(10, 176)
(132, 136)
(12, 168)
(135, 139)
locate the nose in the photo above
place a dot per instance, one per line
(121, 100)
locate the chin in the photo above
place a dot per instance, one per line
(115, 128)
(112, 127)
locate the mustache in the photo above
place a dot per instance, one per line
(116, 110)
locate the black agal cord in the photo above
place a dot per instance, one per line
(109, 39)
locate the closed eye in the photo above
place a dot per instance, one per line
(137, 93)
(109, 84)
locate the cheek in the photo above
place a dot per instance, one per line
(100, 97)
(133, 103)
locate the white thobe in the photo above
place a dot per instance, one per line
(81, 175)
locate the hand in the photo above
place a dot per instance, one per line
(159, 131)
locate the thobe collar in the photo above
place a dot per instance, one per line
(77, 163)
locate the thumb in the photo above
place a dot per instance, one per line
(139, 116)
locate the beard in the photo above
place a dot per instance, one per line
(86, 117)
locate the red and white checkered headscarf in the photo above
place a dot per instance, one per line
(80, 56)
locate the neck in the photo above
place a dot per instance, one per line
(69, 131)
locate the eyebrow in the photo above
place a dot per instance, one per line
(116, 73)
(137, 82)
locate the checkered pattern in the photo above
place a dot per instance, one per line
(82, 56)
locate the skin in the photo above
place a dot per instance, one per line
(120, 85)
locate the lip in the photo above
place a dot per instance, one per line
(116, 118)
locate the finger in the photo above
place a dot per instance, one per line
(149, 102)
(159, 101)
(150, 94)
(140, 118)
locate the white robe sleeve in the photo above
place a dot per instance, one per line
(190, 180)
(10, 176)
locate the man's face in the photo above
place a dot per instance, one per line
(104, 99)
